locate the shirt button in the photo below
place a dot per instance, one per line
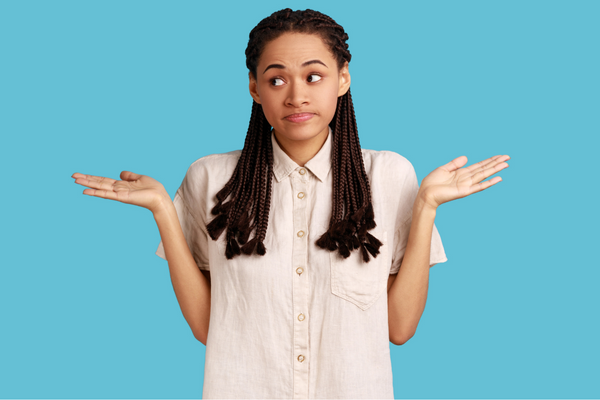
(300, 358)
(302, 171)
(299, 270)
(300, 233)
(301, 317)
(301, 195)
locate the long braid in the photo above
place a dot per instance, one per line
(235, 214)
(243, 204)
(337, 159)
(348, 228)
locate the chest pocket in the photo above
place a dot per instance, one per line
(359, 282)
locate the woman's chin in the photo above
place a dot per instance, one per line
(300, 133)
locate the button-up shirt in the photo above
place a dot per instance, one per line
(300, 322)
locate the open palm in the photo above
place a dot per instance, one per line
(139, 190)
(451, 181)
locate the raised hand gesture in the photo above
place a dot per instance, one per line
(139, 190)
(450, 181)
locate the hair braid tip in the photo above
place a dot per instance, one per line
(249, 247)
(260, 249)
(216, 227)
(232, 249)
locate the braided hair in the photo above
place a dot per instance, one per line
(243, 204)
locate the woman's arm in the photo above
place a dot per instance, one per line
(408, 292)
(192, 288)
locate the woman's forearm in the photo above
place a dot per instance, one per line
(408, 293)
(191, 286)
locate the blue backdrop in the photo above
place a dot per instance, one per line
(87, 310)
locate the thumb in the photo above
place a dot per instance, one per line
(129, 176)
(455, 164)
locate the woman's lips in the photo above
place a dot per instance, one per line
(301, 117)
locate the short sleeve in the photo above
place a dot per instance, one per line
(409, 192)
(192, 225)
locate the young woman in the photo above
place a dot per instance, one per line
(304, 254)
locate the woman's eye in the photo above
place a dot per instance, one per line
(314, 78)
(276, 81)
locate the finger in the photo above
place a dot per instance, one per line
(481, 164)
(77, 175)
(130, 176)
(487, 162)
(491, 170)
(485, 165)
(97, 183)
(497, 160)
(455, 164)
(478, 187)
(105, 194)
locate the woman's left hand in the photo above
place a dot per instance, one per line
(451, 181)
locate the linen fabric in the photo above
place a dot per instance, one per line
(300, 322)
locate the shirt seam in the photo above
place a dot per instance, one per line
(200, 265)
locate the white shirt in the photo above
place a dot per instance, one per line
(300, 322)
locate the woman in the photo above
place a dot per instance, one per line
(285, 248)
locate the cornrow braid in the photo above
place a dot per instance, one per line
(244, 203)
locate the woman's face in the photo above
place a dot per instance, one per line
(297, 84)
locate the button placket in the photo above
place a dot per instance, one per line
(299, 181)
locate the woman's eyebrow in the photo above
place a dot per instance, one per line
(279, 66)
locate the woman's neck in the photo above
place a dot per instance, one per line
(301, 151)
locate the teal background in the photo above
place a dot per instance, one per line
(87, 310)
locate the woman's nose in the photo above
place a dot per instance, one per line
(297, 95)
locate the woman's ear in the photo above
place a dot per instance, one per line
(344, 80)
(253, 88)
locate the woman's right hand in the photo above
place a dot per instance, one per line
(139, 190)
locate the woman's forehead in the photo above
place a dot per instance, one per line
(294, 49)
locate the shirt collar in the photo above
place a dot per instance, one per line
(319, 165)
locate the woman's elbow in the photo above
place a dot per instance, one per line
(201, 338)
(401, 339)
(201, 335)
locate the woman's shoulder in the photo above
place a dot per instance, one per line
(386, 161)
(212, 164)
(209, 172)
(217, 160)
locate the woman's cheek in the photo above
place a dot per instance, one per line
(332, 99)
(270, 114)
